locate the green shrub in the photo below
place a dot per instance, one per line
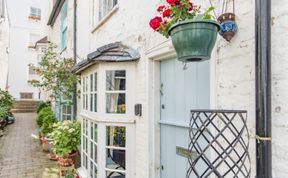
(6, 100)
(66, 136)
(47, 124)
(42, 114)
(41, 106)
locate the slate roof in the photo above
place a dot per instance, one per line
(113, 52)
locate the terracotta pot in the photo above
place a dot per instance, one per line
(45, 146)
(228, 26)
(71, 156)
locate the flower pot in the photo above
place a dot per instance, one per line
(194, 40)
(71, 156)
(228, 26)
(45, 146)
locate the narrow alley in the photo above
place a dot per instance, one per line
(21, 156)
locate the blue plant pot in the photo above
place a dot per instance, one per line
(228, 26)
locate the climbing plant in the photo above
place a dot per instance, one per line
(55, 74)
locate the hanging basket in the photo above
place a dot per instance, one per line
(228, 26)
(194, 40)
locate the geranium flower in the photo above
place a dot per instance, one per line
(155, 22)
(167, 13)
(160, 8)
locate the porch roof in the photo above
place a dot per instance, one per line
(113, 52)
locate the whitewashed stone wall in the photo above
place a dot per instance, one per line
(233, 78)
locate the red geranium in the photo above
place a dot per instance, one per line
(160, 8)
(155, 22)
(167, 13)
(191, 6)
(173, 2)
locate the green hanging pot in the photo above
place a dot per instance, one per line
(194, 40)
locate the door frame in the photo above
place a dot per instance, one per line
(155, 55)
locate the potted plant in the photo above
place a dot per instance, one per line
(228, 26)
(193, 32)
(66, 139)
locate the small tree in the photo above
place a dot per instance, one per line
(55, 74)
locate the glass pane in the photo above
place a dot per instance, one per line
(83, 84)
(83, 144)
(95, 171)
(92, 131)
(86, 162)
(91, 150)
(114, 175)
(86, 82)
(86, 145)
(95, 82)
(91, 102)
(83, 104)
(95, 102)
(91, 82)
(95, 154)
(115, 103)
(69, 109)
(95, 133)
(91, 169)
(116, 136)
(86, 126)
(115, 159)
(86, 104)
(116, 80)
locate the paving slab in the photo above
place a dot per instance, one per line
(21, 156)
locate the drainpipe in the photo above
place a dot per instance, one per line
(263, 88)
(75, 57)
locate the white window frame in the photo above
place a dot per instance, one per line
(103, 119)
(35, 13)
(101, 13)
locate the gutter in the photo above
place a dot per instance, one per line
(55, 12)
(75, 57)
(263, 88)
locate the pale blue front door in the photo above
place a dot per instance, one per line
(181, 91)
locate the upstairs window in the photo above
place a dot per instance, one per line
(101, 10)
(64, 27)
(105, 6)
(35, 13)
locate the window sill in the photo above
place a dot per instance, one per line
(104, 19)
(62, 50)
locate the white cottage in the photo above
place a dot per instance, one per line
(136, 111)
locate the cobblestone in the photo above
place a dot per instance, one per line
(20, 155)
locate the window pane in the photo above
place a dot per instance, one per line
(116, 80)
(91, 82)
(95, 171)
(95, 154)
(116, 136)
(95, 102)
(95, 82)
(115, 159)
(91, 131)
(115, 103)
(91, 102)
(91, 150)
(114, 175)
(86, 104)
(91, 169)
(95, 133)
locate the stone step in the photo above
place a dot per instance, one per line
(25, 106)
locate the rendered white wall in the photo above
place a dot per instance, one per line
(4, 49)
(20, 55)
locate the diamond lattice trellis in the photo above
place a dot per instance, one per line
(220, 139)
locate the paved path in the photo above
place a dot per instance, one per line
(20, 155)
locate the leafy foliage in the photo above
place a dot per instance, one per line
(42, 114)
(55, 74)
(48, 121)
(6, 103)
(41, 106)
(66, 136)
